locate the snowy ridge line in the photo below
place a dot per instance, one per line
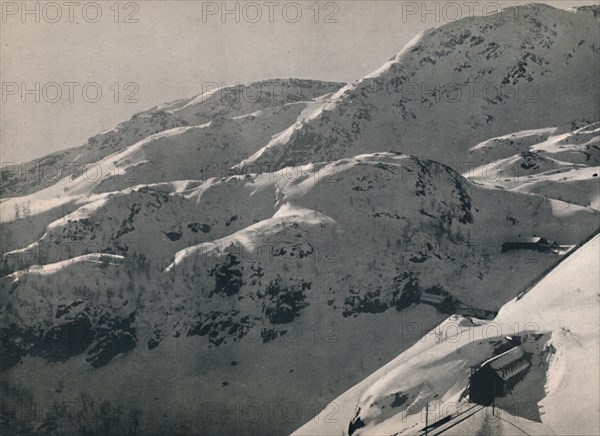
(545, 272)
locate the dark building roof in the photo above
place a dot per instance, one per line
(529, 240)
(509, 363)
(497, 376)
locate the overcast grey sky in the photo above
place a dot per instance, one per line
(176, 48)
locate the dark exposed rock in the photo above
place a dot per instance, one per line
(199, 227)
(108, 336)
(228, 277)
(284, 302)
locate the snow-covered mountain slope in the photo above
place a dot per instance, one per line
(455, 86)
(288, 250)
(223, 103)
(156, 220)
(176, 154)
(227, 251)
(161, 219)
(559, 395)
(560, 165)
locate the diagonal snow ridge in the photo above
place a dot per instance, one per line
(287, 214)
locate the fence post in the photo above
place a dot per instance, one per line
(494, 398)
(426, 418)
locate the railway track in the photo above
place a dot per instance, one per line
(450, 421)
